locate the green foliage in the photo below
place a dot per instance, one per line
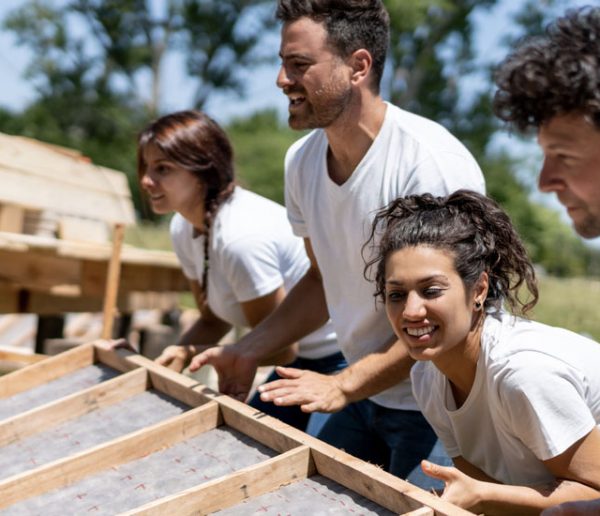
(260, 144)
(88, 84)
(569, 303)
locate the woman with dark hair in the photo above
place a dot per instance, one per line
(516, 403)
(236, 247)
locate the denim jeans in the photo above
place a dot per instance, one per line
(395, 439)
(311, 423)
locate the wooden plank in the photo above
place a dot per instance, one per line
(23, 358)
(423, 511)
(161, 378)
(112, 358)
(264, 429)
(233, 489)
(46, 370)
(134, 277)
(36, 176)
(87, 230)
(39, 271)
(133, 446)
(112, 282)
(73, 406)
(373, 483)
(11, 218)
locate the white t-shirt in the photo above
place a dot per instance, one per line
(536, 392)
(252, 253)
(410, 155)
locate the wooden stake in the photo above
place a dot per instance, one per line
(112, 282)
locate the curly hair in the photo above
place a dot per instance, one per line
(476, 232)
(553, 74)
(350, 24)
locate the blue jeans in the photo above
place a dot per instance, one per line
(395, 439)
(311, 423)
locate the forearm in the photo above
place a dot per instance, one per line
(375, 372)
(499, 499)
(203, 333)
(303, 311)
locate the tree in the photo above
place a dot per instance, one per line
(91, 58)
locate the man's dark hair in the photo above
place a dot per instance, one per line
(350, 25)
(553, 74)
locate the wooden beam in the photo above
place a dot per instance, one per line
(40, 177)
(46, 370)
(373, 483)
(52, 414)
(135, 445)
(11, 218)
(23, 358)
(39, 270)
(423, 511)
(112, 282)
(225, 492)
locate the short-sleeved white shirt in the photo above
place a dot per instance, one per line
(410, 155)
(536, 392)
(252, 253)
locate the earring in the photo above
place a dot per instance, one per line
(478, 305)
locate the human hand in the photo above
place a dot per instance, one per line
(581, 508)
(235, 370)
(174, 357)
(460, 489)
(314, 392)
(112, 344)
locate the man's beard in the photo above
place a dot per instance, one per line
(323, 108)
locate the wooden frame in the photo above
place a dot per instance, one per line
(292, 457)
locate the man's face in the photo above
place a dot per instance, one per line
(571, 169)
(315, 79)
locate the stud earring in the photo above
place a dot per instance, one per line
(478, 305)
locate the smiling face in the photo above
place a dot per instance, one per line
(571, 170)
(427, 304)
(315, 79)
(171, 187)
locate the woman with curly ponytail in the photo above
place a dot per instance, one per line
(516, 403)
(236, 248)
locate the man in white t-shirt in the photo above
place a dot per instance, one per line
(363, 154)
(552, 84)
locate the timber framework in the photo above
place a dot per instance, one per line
(92, 431)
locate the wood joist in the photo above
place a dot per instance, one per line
(48, 276)
(157, 442)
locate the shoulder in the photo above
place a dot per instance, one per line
(305, 147)
(526, 357)
(179, 227)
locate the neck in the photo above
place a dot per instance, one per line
(195, 216)
(352, 134)
(459, 364)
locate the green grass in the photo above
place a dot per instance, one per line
(149, 236)
(572, 303)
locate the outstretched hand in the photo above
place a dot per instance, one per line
(460, 489)
(314, 392)
(174, 357)
(112, 344)
(235, 370)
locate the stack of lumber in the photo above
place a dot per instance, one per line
(92, 431)
(57, 212)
